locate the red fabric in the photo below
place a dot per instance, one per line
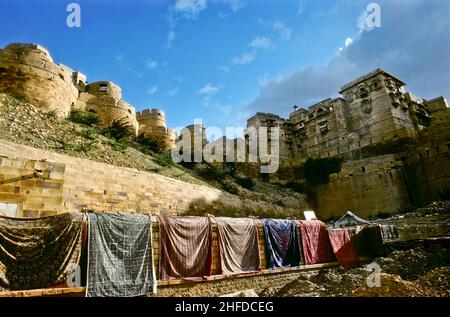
(315, 242)
(343, 248)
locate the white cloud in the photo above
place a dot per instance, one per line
(301, 7)
(190, 8)
(245, 58)
(224, 68)
(222, 15)
(260, 42)
(225, 109)
(284, 32)
(152, 90)
(178, 78)
(392, 47)
(150, 64)
(208, 90)
(348, 41)
(173, 92)
(170, 38)
(235, 5)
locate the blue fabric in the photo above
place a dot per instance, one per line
(282, 243)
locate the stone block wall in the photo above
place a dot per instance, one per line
(35, 197)
(364, 187)
(106, 188)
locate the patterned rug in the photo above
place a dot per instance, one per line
(282, 243)
(38, 253)
(120, 261)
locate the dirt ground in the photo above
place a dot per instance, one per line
(414, 268)
(421, 271)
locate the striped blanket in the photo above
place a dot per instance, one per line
(185, 247)
(238, 240)
(120, 261)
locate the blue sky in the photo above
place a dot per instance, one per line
(224, 60)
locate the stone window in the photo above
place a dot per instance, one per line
(103, 87)
(323, 127)
(366, 106)
(3, 70)
(349, 96)
(9, 209)
(363, 169)
(362, 91)
(376, 84)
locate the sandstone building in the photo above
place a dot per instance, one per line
(394, 145)
(28, 72)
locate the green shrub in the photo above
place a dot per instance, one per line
(229, 186)
(209, 172)
(52, 114)
(154, 145)
(119, 130)
(84, 117)
(89, 133)
(120, 145)
(246, 182)
(164, 159)
(83, 147)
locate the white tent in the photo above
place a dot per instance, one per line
(349, 219)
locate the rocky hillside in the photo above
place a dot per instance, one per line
(23, 123)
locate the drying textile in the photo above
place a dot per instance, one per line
(374, 241)
(315, 242)
(367, 240)
(238, 240)
(359, 241)
(343, 248)
(389, 232)
(282, 243)
(120, 259)
(37, 253)
(185, 247)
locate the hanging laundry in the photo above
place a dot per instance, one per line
(238, 240)
(389, 232)
(374, 240)
(38, 253)
(282, 243)
(185, 247)
(315, 241)
(343, 248)
(359, 240)
(120, 261)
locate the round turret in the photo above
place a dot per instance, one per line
(152, 122)
(27, 72)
